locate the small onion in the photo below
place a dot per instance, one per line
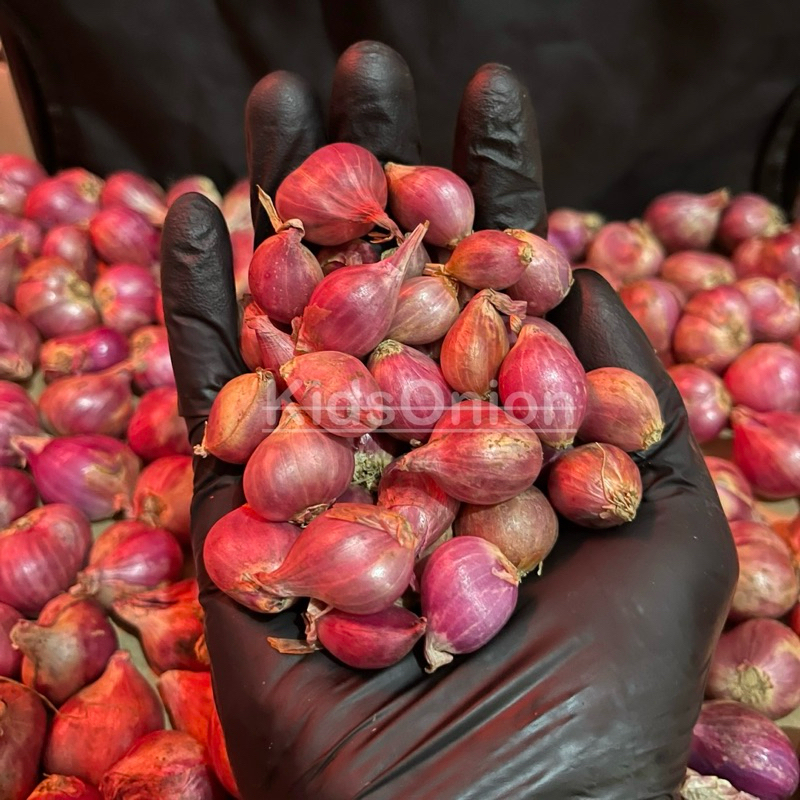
(69, 197)
(18, 175)
(273, 347)
(656, 306)
(136, 192)
(766, 378)
(196, 183)
(18, 417)
(693, 271)
(686, 221)
(547, 276)
(150, 358)
(91, 351)
(748, 215)
(126, 296)
(163, 495)
(734, 491)
(72, 244)
(427, 307)
(19, 346)
(156, 428)
(23, 728)
(571, 231)
(774, 307)
(122, 235)
(64, 787)
(27, 236)
(188, 699)
(708, 403)
(780, 256)
(18, 494)
(10, 657)
(626, 250)
(356, 251)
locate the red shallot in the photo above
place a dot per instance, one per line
(627, 250)
(23, 728)
(694, 271)
(122, 235)
(571, 231)
(774, 307)
(163, 495)
(733, 489)
(150, 358)
(218, 754)
(69, 197)
(18, 175)
(546, 278)
(126, 296)
(746, 216)
(189, 700)
(71, 243)
(201, 184)
(19, 346)
(686, 221)
(18, 494)
(766, 378)
(356, 251)
(91, 351)
(10, 657)
(156, 428)
(427, 307)
(64, 787)
(134, 191)
(18, 417)
(708, 403)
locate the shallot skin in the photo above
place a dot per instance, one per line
(547, 277)
(64, 787)
(163, 495)
(656, 306)
(427, 307)
(708, 403)
(18, 417)
(19, 346)
(23, 727)
(766, 378)
(91, 351)
(572, 231)
(746, 216)
(694, 271)
(627, 251)
(774, 306)
(18, 494)
(685, 221)
(733, 489)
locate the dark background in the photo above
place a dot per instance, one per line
(633, 97)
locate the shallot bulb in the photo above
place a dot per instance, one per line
(339, 192)
(524, 528)
(169, 622)
(494, 259)
(18, 494)
(428, 509)
(18, 175)
(66, 648)
(622, 409)
(595, 485)
(571, 231)
(99, 402)
(71, 243)
(98, 725)
(235, 206)
(435, 194)
(91, 351)
(240, 545)
(735, 493)
(188, 699)
(336, 391)
(163, 495)
(351, 309)
(686, 221)
(774, 306)
(201, 184)
(27, 236)
(351, 253)
(515, 324)
(156, 428)
(283, 273)
(19, 346)
(134, 191)
(543, 384)
(244, 412)
(427, 307)
(40, 555)
(766, 378)
(297, 470)
(780, 256)
(10, 657)
(714, 329)
(746, 216)
(93, 472)
(248, 343)
(694, 271)
(758, 664)
(274, 347)
(414, 390)
(150, 358)
(64, 787)
(766, 448)
(708, 403)
(357, 558)
(768, 584)
(126, 296)
(417, 261)
(748, 259)
(627, 250)
(477, 343)
(23, 728)
(546, 278)
(18, 417)
(69, 197)
(122, 235)
(480, 466)
(55, 298)
(129, 557)
(468, 592)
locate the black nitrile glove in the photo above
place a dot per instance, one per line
(593, 687)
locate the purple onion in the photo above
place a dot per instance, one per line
(91, 351)
(708, 402)
(121, 235)
(156, 428)
(10, 657)
(92, 472)
(29, 236)
(766, 377)
(468, 592)
(135, 192)
(656, 305)
(746, 216)
(18, 417)
(540, 324)
(195, 183)
(684, 220)
(572, 231)
(627, 251)
(737, 743)
(55, 298)
(71, 243)
(547, 278)
(18, 175)
(774, 308)
(69, 197)
(18, 494)
(150, 358)
(734, 490)
(19, 346)
(694, 271)
(126, 296)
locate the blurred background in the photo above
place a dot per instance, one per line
(14, 136)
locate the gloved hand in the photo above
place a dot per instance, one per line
(593, 687)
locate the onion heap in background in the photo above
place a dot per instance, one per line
(444, 423)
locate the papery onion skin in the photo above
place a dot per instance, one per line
(622, 409)
(694, 271)
(336, 391)
(625, 250)
(10, 657)
(735, 742)
(273, 347)
(571, 231)
(748, 258)
(297, 468)
(543, 384)
(248, 342)
(547, 277)
(656, 306)
(708, 403)
(780, 256)
(129, 557)
(18, 175)
(774, 306)
(428, 509)
(126, 296)
(767, 585)
(64, 787)
(758, 664)
(356, 251)
(68, 197)
(241, 544)
(23, 727)
(163, 495)
(357, 558)
(66, 648)
(766, 377)
(120, 234)
(188, 699)
(766, 447)
(156, 428)
(90, 734)
(27, 236)
(91, 351)
(150, 358)
(540, 324)
(595, 485)
(72, 243)
(339, 192)
(126, 188)
(684, 220)
(468, 592)
(18, 494)
(524, 528)
(733, 489)
(427, 307)
(40, 555)
(19, 346)
(18, 417)
(748, 215)
(422, 193)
